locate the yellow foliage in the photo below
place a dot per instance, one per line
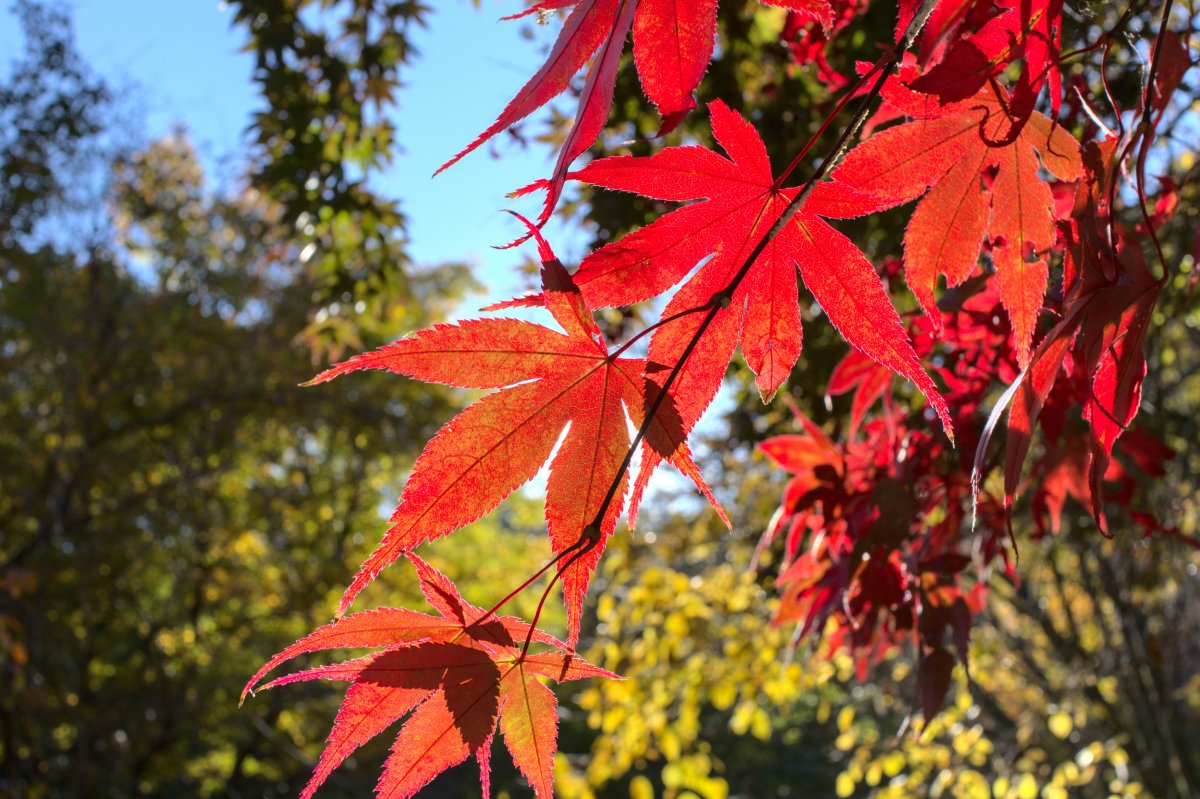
(640, 788)
(1060, 724)
(688, 646)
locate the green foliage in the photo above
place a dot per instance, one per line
(50, 107)
(328, 73)
(166, 491)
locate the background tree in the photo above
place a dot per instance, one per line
(166, 493)
(328, 74)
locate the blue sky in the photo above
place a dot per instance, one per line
(182, 60)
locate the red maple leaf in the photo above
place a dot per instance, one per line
(672, 45)
(949, 148)
(861, 551)
(455, 678)
(740, 200)
(1025, 31)
(1106, 321)
(1110, 296)
(550, 380)
(808, 40)
(945, 25)
(868, 380)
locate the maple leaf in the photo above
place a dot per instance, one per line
(944, 26)
(1028, 31)
(1110, 297)
(551, 381)
(1107, 320)
(808, 40)
(862, 563)
(739, 201)
(1174, 61)
(868, 380)
(949, 148)
(382, 627)
(672, 45)
(455, 679)
(1063, 473)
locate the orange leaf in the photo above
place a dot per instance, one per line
(454, 681)
(551, 380)
(948, 148)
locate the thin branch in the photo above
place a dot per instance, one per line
(1146, 129)
(723, 298)
(590, 536)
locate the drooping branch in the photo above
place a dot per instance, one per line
(725, 296)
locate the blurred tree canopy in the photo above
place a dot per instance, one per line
(173, 508)
(327, 72)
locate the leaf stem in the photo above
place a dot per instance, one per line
(666, 320)
(1103, 40)
(513, 593)
(832, 115)
(1147, 130)
(723, 298)
(590, 536)
(588, 544)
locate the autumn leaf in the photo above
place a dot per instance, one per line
(1113, 341)
(944, 26)
(1110, 298)
(739, 201)
(672, 45)
(383, 627)
(800, 454)
(1063, 473)
(456, 680)
(933, 681)
(551, 381)
(814, 462)
(948, 150)
(1024, 32)
(868, 380)
(1031, 393)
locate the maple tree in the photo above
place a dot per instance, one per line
(886, 531)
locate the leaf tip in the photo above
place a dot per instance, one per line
(325, 376)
